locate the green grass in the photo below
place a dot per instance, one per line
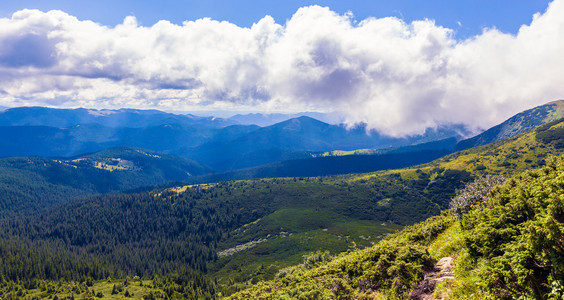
(290, 234)
(401, 254)
(448, 243)
(294, 217)
(319, 229)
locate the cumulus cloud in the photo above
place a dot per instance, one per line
(399, 78)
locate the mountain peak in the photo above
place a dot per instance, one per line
(520, 122)
(303, 120)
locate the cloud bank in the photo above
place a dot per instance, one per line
(398, 78)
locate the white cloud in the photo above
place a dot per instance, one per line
(398, 78)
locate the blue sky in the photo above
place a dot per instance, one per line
(473, 15)
(398, 66)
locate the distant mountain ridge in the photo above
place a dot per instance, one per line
(219, 143)
(520, 122)
(125, 117)
(225, 146)
(264, 120)
(292, 138)
(366, 160)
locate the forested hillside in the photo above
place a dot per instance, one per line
(356, 275)
(248, 230)
(31, 183)
(509, 245)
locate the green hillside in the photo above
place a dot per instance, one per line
(32, 183)
(521, 122)
(508, 246)
(227, 236)
(516, 154)
(433, 182)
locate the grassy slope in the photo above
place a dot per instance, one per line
(511, 156)
(393, 264)
(339, 205)
(103, 289)
(297, 233)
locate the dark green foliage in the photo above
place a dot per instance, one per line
(25, 191)
(32, 183)
(442, 188)
(161, 231)
(332, 165)
(137, 234)
(391, 268)
(187, 284)
(519, 240)
(553, 135)
(21, 259)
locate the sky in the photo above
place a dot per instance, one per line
(467, 17)
(398, 66)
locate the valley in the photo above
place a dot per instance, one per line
(242, 211)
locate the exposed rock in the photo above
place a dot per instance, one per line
(441, 271)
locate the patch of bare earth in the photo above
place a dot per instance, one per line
(441, 271)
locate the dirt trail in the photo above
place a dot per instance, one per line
(441, 272)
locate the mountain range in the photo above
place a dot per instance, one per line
(216, 142)
(521, 122)
(292, 148)
(129, 118)
(87, 226)
(291, 164)
(223, 146)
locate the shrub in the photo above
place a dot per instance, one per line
(474, 194)
(518, 243)
(316, 258)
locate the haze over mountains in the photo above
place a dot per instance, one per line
(219, 143)
(224, 146)
(134, 118)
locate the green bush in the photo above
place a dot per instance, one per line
(518, 242)
(389, 269)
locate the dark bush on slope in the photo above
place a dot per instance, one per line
(520, 239)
